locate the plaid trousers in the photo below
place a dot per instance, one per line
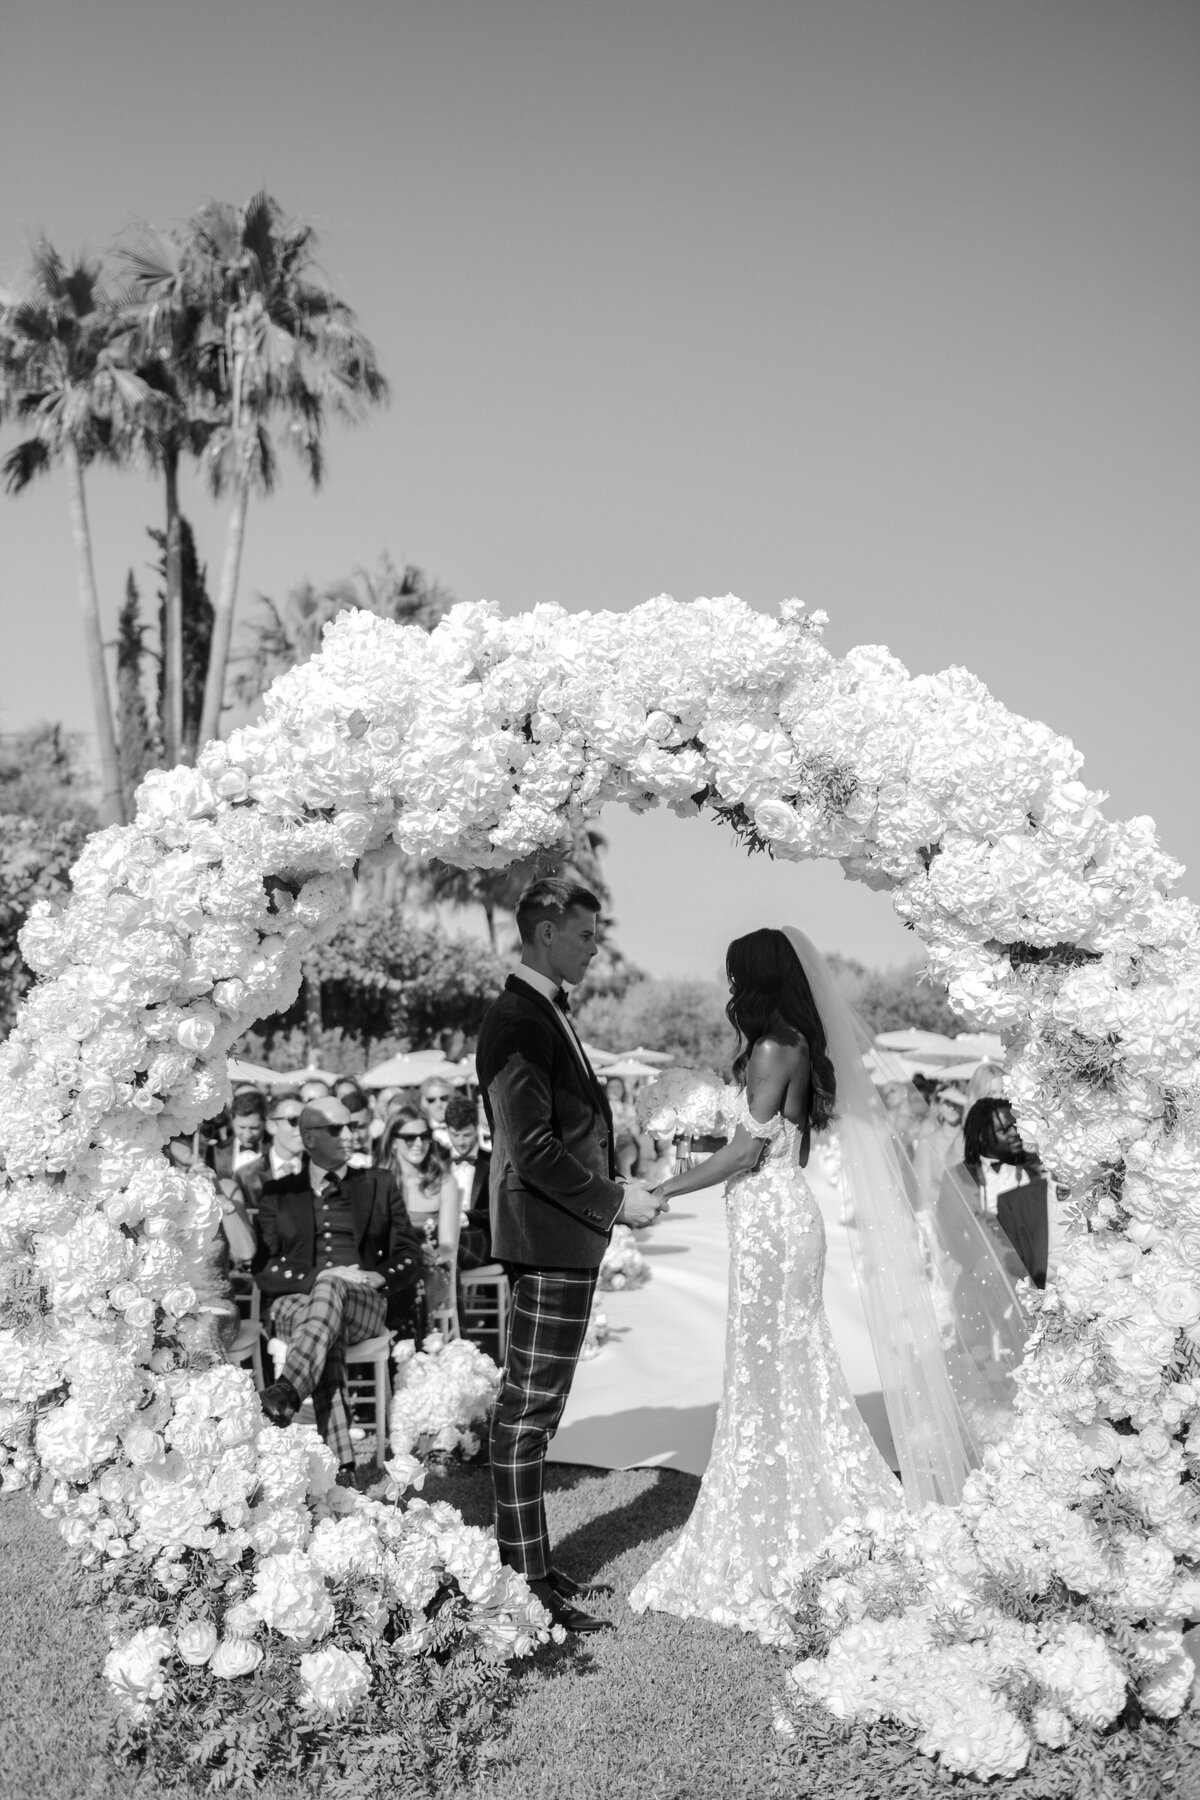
(547, 1326)
(316, 1328)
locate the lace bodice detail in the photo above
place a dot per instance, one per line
(791, 1457)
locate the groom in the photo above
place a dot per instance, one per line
(555, 1196)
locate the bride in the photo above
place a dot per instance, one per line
(791, 1457)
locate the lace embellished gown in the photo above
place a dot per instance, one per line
(791, 1457)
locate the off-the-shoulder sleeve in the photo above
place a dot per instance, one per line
(737, 1111)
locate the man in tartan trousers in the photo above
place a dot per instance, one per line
(555, 1196)
(337, 1251)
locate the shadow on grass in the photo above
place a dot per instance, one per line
(659, 1509)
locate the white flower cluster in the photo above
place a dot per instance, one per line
(480, 743)
(442, 1391)
(624, 1265)
(682, 1103)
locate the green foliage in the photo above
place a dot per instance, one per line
(42, 778)
(683, 1016)
(393, 982)
(895, 999)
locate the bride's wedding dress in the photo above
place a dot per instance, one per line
(791, 1457)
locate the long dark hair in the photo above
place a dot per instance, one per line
(429, 1176)
(768, 988)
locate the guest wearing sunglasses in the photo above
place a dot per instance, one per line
(430, 1193)
(340, 1262)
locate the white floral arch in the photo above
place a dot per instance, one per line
(1059, 1587)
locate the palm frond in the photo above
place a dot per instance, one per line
(23, 464)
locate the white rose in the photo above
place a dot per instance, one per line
(142, 1445)
(179, 1300)
(234, 1657)
(195, 1034)
(334, 1680)
(1178, 1304)
(775, 820)
(140, 1312)
(196, 1642)
(135, 1668)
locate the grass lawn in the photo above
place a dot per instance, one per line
(657, 1710)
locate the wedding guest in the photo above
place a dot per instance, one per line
(340, 1262)
(907, 1109)
(986, 1083)
(314, 1088)
(283, 1153)
(1005, 1187)
(470, 1166)
(430, 1195)
(436, 1095)
(625, 1136)
(939, 1142)
(359, 1135)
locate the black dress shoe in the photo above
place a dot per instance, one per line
(280, 1402)
(571, 1618)
(569, 1589)
(347, 1475)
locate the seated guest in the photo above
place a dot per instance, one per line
(1004, 1185)
(314, 1088)
(470, 1166)
(341, 1263)
(248, 1121)
(359, 1135)
(430, 1196)
(939, 1142)
(283, 1153)
(625, 1128)
(436, 1096)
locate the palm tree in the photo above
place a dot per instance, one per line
(64, 378)
(290, 353)
(172, 337)
(279, 634)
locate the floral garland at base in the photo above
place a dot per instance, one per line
(491, 738)
(442, 1393)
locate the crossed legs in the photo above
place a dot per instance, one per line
(317, 1327)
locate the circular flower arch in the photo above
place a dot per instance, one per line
(1059, 1587)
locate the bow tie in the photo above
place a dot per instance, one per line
(459, 1160)
(560, 1000)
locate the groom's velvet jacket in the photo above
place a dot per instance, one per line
(554, 1193)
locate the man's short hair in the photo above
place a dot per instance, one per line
(353, 1098)
(280, 1098)
(460, 1113)
(551, 898)
(248, 1100)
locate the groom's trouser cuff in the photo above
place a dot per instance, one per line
(547, 1327)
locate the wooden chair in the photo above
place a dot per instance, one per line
(485, 1302)
(248, 1346)
(369, 1381)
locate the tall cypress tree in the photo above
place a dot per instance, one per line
(197, 631)
(138, 743)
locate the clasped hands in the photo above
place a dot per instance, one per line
(642, 1205)
(361, 1277)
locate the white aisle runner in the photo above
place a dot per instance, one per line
(649, 1399)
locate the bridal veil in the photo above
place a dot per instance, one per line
(944, 1319)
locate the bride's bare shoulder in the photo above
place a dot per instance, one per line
(780, 1048)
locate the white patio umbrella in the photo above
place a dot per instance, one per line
(410, 1068)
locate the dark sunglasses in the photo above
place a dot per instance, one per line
(414, 1137)
(285, 1118)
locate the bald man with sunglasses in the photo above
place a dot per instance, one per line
(340, 1262)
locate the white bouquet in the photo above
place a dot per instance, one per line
(683, 1103)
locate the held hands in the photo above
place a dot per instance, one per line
(641, 1206)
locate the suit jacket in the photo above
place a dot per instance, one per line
(554, 1193)
(475, 1238)
(287, 1232)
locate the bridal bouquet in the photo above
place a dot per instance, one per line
(441, 1392)
(683, 1103)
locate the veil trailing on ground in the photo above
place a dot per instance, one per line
(945, 1323)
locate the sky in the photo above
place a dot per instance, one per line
(888, 304)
